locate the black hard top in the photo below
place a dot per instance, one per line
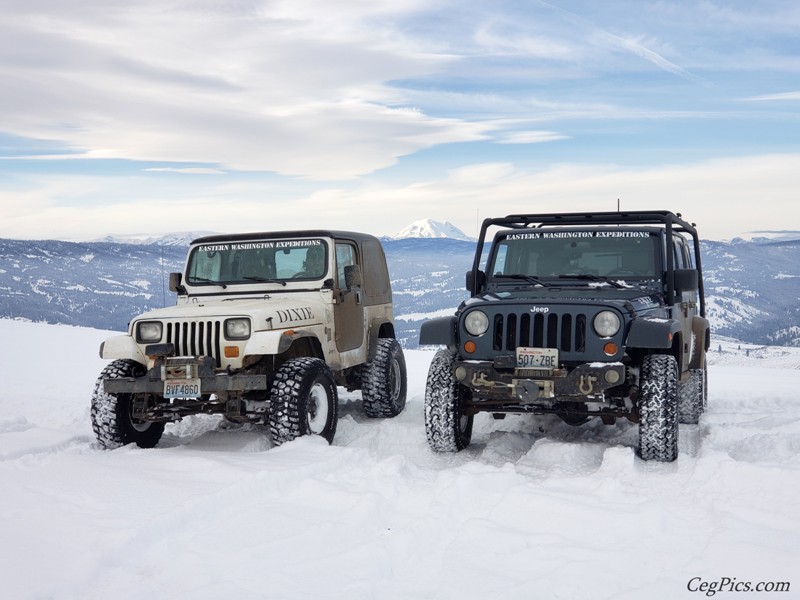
(301, 233)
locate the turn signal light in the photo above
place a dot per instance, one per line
(470, 347)
(610, 349)
(231, 352)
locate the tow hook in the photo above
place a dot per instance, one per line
(586, 384)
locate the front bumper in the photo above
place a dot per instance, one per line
(151, 383)
(194, 388)
(495, 381)
(185, 368)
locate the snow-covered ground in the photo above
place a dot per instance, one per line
(533, 509)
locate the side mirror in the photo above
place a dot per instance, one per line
(471, 280)
(686, 280)
(352, 277)
(175, 283)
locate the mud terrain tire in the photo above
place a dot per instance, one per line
(383, 386)
(658, 408)
(692, 397)
(111, 413)
(447, 427)
(303, 401)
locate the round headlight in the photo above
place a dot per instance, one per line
(148, 331)
(606, 323)
(476, 322)
(237, 329)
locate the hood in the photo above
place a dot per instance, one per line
(630, 299)
(272, 312)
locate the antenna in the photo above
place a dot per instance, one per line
(617, 204)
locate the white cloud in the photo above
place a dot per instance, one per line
(291, 87)
(300, 93)
(530, 137)
(186, 171)
(770, 97)
(725, 197)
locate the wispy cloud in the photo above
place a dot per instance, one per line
(530, 137)
(718, 195)
(353, 113)
(638, 49)
(794, 96)
(186, 171)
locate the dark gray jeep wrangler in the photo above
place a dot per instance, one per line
(580, 315)
(265, 327)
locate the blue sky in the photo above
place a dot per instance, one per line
(159, 116)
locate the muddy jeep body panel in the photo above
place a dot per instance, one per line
(247, 305)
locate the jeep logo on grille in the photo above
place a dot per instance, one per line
(540, 309)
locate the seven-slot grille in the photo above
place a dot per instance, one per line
(567, 332)
(195, 338)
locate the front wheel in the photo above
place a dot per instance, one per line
(303, 401)
(658, 408)
(383, 385)
(112, 414)
(447, 426)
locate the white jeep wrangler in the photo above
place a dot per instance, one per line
(265, 327)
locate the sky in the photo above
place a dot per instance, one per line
(161, 116)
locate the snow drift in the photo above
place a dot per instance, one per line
(533, 509)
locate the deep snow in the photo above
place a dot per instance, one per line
(533, 509)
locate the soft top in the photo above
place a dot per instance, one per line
(302, 233)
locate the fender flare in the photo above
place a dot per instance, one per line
(701, 329)
(439, 332)
(375, 327)
(271, 343)
(652, 333)
(122, 347)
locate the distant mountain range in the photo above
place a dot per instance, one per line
(182, 239)
(752, 288)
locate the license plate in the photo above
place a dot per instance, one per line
(537, 358)
(182, 388)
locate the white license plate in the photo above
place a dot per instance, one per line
(182, 388)
(537, 358)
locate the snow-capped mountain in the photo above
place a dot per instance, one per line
(428, 228)
(182, 239)
(752, 289)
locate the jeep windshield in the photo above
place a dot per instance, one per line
(603, 257)
(258, 261)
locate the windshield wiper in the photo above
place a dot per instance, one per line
(211, 281)
(265, 280)
(591, 277)
(522, 276)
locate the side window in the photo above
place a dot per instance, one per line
(684, 258)
(678, 255)
(345, 255)
(689, 250)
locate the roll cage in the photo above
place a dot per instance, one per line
(672, 223)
